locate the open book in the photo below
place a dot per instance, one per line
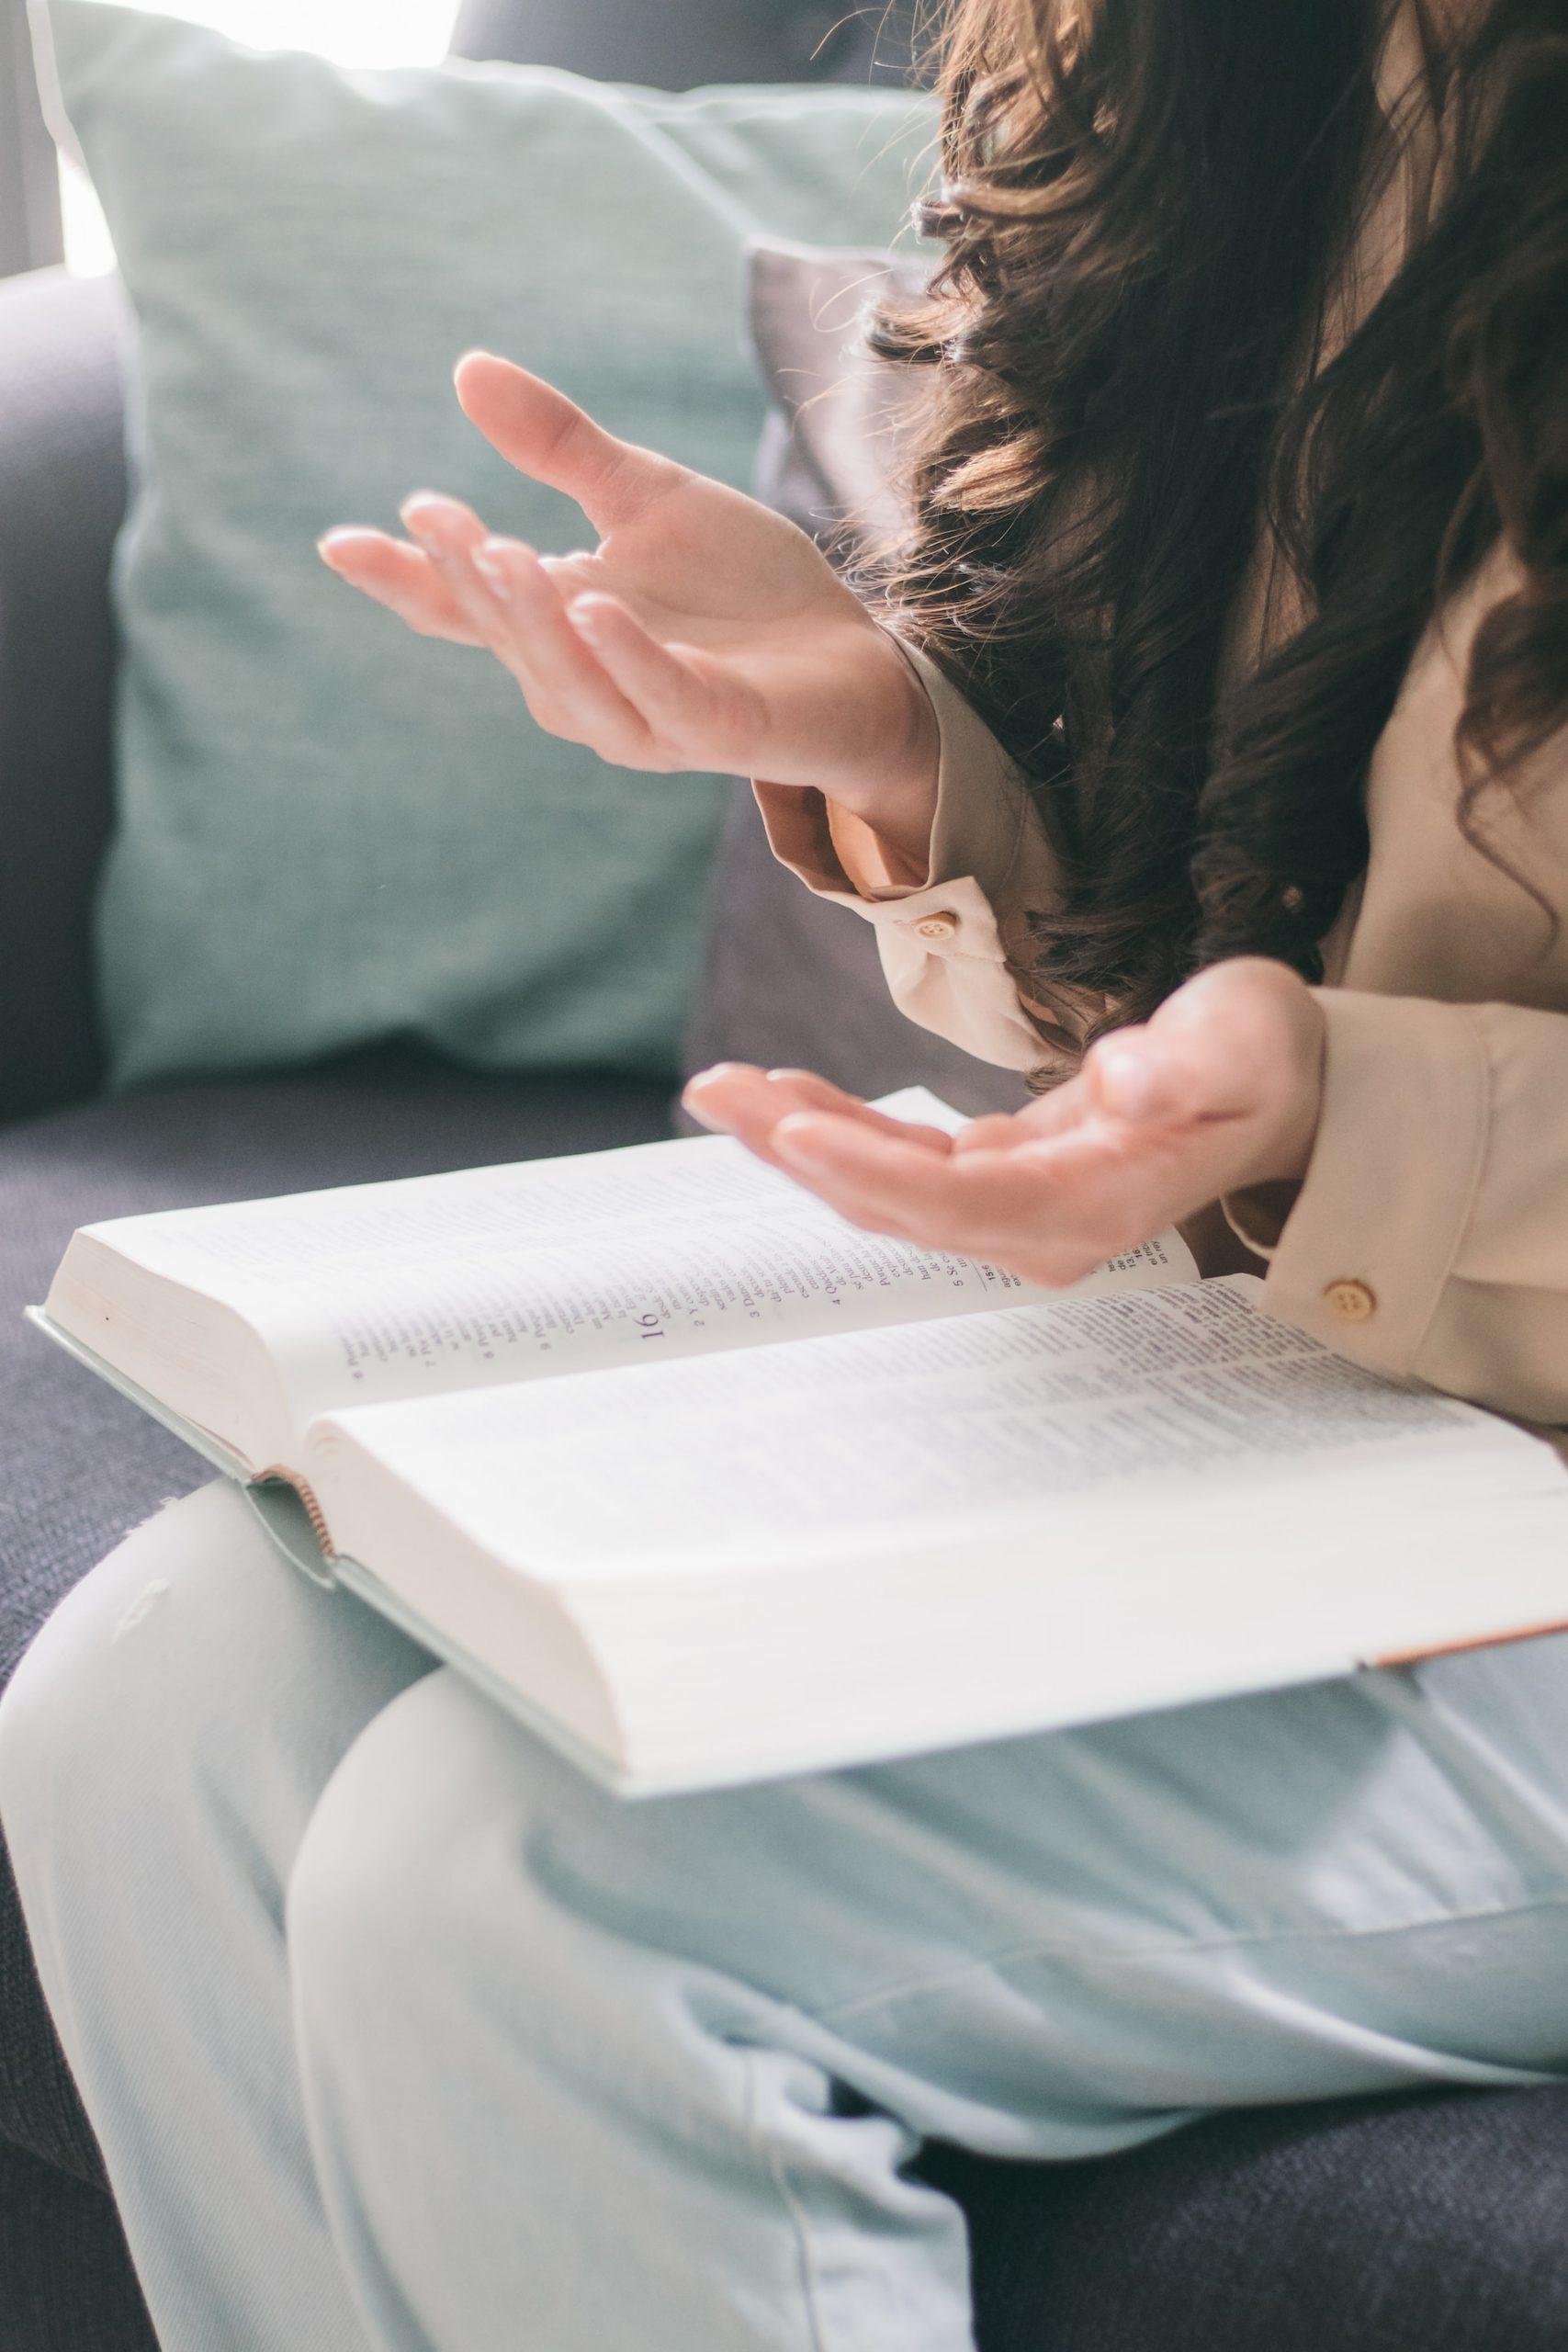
(707, 1485)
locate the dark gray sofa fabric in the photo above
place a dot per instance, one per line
(1429, 2222)
(61, 496)
(66, 2283)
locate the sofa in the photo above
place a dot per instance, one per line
(1422, 2223)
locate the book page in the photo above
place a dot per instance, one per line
(1176, 1398)
(501, 1275)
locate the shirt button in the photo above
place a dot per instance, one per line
(1352, 1300)
(937, 926)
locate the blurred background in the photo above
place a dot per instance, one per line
(48, 215)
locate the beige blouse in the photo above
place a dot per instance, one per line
(1431, 1235)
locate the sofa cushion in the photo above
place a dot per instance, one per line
(1428, 2222)
(790, 979)
(66, 2283)
(327, 834)
(81, 1465)
(833, 444)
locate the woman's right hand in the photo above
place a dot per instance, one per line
(704, 631)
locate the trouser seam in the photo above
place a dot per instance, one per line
(762, 2146)
(1103, 1956)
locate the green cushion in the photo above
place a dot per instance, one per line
(328, 830)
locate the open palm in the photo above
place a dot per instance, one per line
(1219, 1092)
(702, 630)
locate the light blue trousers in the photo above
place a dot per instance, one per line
(399, 2035)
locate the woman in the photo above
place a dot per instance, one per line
(1231, 641)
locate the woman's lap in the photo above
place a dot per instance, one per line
(162, 1746)
(1047, 1947)
(1428, 1805)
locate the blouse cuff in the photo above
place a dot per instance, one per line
(1367, 1248)
(982, 812)
(939, 932)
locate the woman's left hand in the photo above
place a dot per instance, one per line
(1221, 1089)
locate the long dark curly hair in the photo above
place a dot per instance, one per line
(1145, 206)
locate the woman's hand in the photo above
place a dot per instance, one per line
(703, 632)
(1220, 1090)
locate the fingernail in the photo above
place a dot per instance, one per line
(487, 563)
(691, 1099)
(418, 511)
(586, 623)
(793, 1140)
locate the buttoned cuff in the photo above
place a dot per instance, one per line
(982, 810)
(938, 932)
(1366, 1251)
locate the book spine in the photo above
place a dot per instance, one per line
(279, 1476)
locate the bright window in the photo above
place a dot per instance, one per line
(355, 32)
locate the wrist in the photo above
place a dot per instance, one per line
(896, 791)
(1286, 1149)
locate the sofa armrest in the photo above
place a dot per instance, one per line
(62, 497)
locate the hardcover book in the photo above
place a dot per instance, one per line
(707, 1485)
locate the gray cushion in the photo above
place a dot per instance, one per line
(791, 979)
(81, 1466)
(830, 459)
(66, 2283)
